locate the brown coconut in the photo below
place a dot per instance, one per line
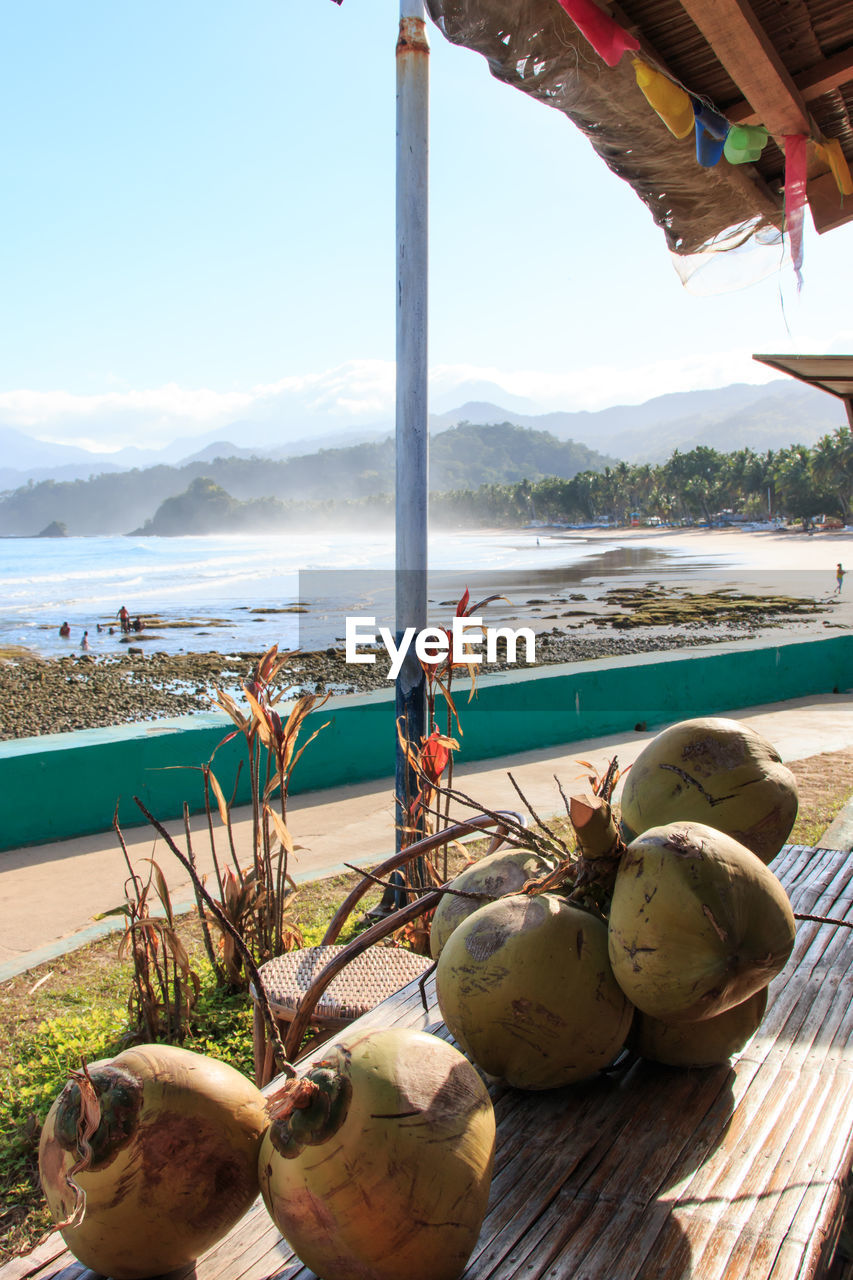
(525, 987)
(501, 873)
(715, 771)
(377, 1163)
(697, 923)
(699, 1044)
(170, 1168)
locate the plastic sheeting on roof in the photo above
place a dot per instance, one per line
(534, 46)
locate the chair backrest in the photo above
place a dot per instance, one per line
(383, 928)
(480, 822)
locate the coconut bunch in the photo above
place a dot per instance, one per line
(660, 935)
(147, 1160)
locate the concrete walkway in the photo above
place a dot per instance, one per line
(49, 893)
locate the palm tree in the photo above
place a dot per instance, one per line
(832, 467)
(801, 496)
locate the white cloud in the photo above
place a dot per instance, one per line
(359, 392)
(356, 392)
(116, 418)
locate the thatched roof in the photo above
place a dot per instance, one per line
(786, 64)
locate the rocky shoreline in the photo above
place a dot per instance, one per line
(59, 695)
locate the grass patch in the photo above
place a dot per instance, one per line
(824, 783)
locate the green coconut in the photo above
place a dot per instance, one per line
(526, 989)
(697, 923)
(714, 771)
(170, 1168)
(499, 874)
(699, 1044)
(377, 1163)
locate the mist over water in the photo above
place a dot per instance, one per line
(214, 593)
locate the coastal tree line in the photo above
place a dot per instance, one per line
(797, 483)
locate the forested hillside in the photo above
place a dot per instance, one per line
(481, 475)
(120, 502)
(701, 485)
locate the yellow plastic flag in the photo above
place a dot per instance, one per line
(669, 100)
(830, 151)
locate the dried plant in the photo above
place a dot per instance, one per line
(430, 758)
(425, 807)
(439, 679)
(164, 986)
(257, 899)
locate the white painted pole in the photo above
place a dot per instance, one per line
(412, 480)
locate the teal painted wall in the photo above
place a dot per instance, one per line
(587, 700)
(63, 785)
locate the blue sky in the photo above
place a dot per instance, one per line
(199, 216)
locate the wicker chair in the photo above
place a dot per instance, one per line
(323, 988)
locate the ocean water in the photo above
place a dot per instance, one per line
(227, 593)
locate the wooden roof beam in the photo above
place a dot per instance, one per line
(744, 176)
(814, 82)
(742, 46)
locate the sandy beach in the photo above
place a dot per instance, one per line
(656, 589)
(776, 551)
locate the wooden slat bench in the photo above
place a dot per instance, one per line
(739, 1172)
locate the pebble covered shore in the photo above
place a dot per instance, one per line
(81, 692)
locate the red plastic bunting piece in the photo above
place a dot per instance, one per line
(795, 197)
(607, 38)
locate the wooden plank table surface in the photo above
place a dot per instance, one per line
(739, 1172)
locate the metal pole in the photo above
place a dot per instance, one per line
(412, 424)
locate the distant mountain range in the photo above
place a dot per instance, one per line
(772, 416)
(764, 417)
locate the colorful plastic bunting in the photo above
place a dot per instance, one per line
(795, 197)
(715, 136)
(711, 131)
(607, 38)
(669, 100)
(830, 152)
(745, 143)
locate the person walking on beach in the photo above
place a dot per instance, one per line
(65, 631)
(839, 578)
(124, 620)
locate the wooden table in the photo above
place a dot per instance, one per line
(739, 1172)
